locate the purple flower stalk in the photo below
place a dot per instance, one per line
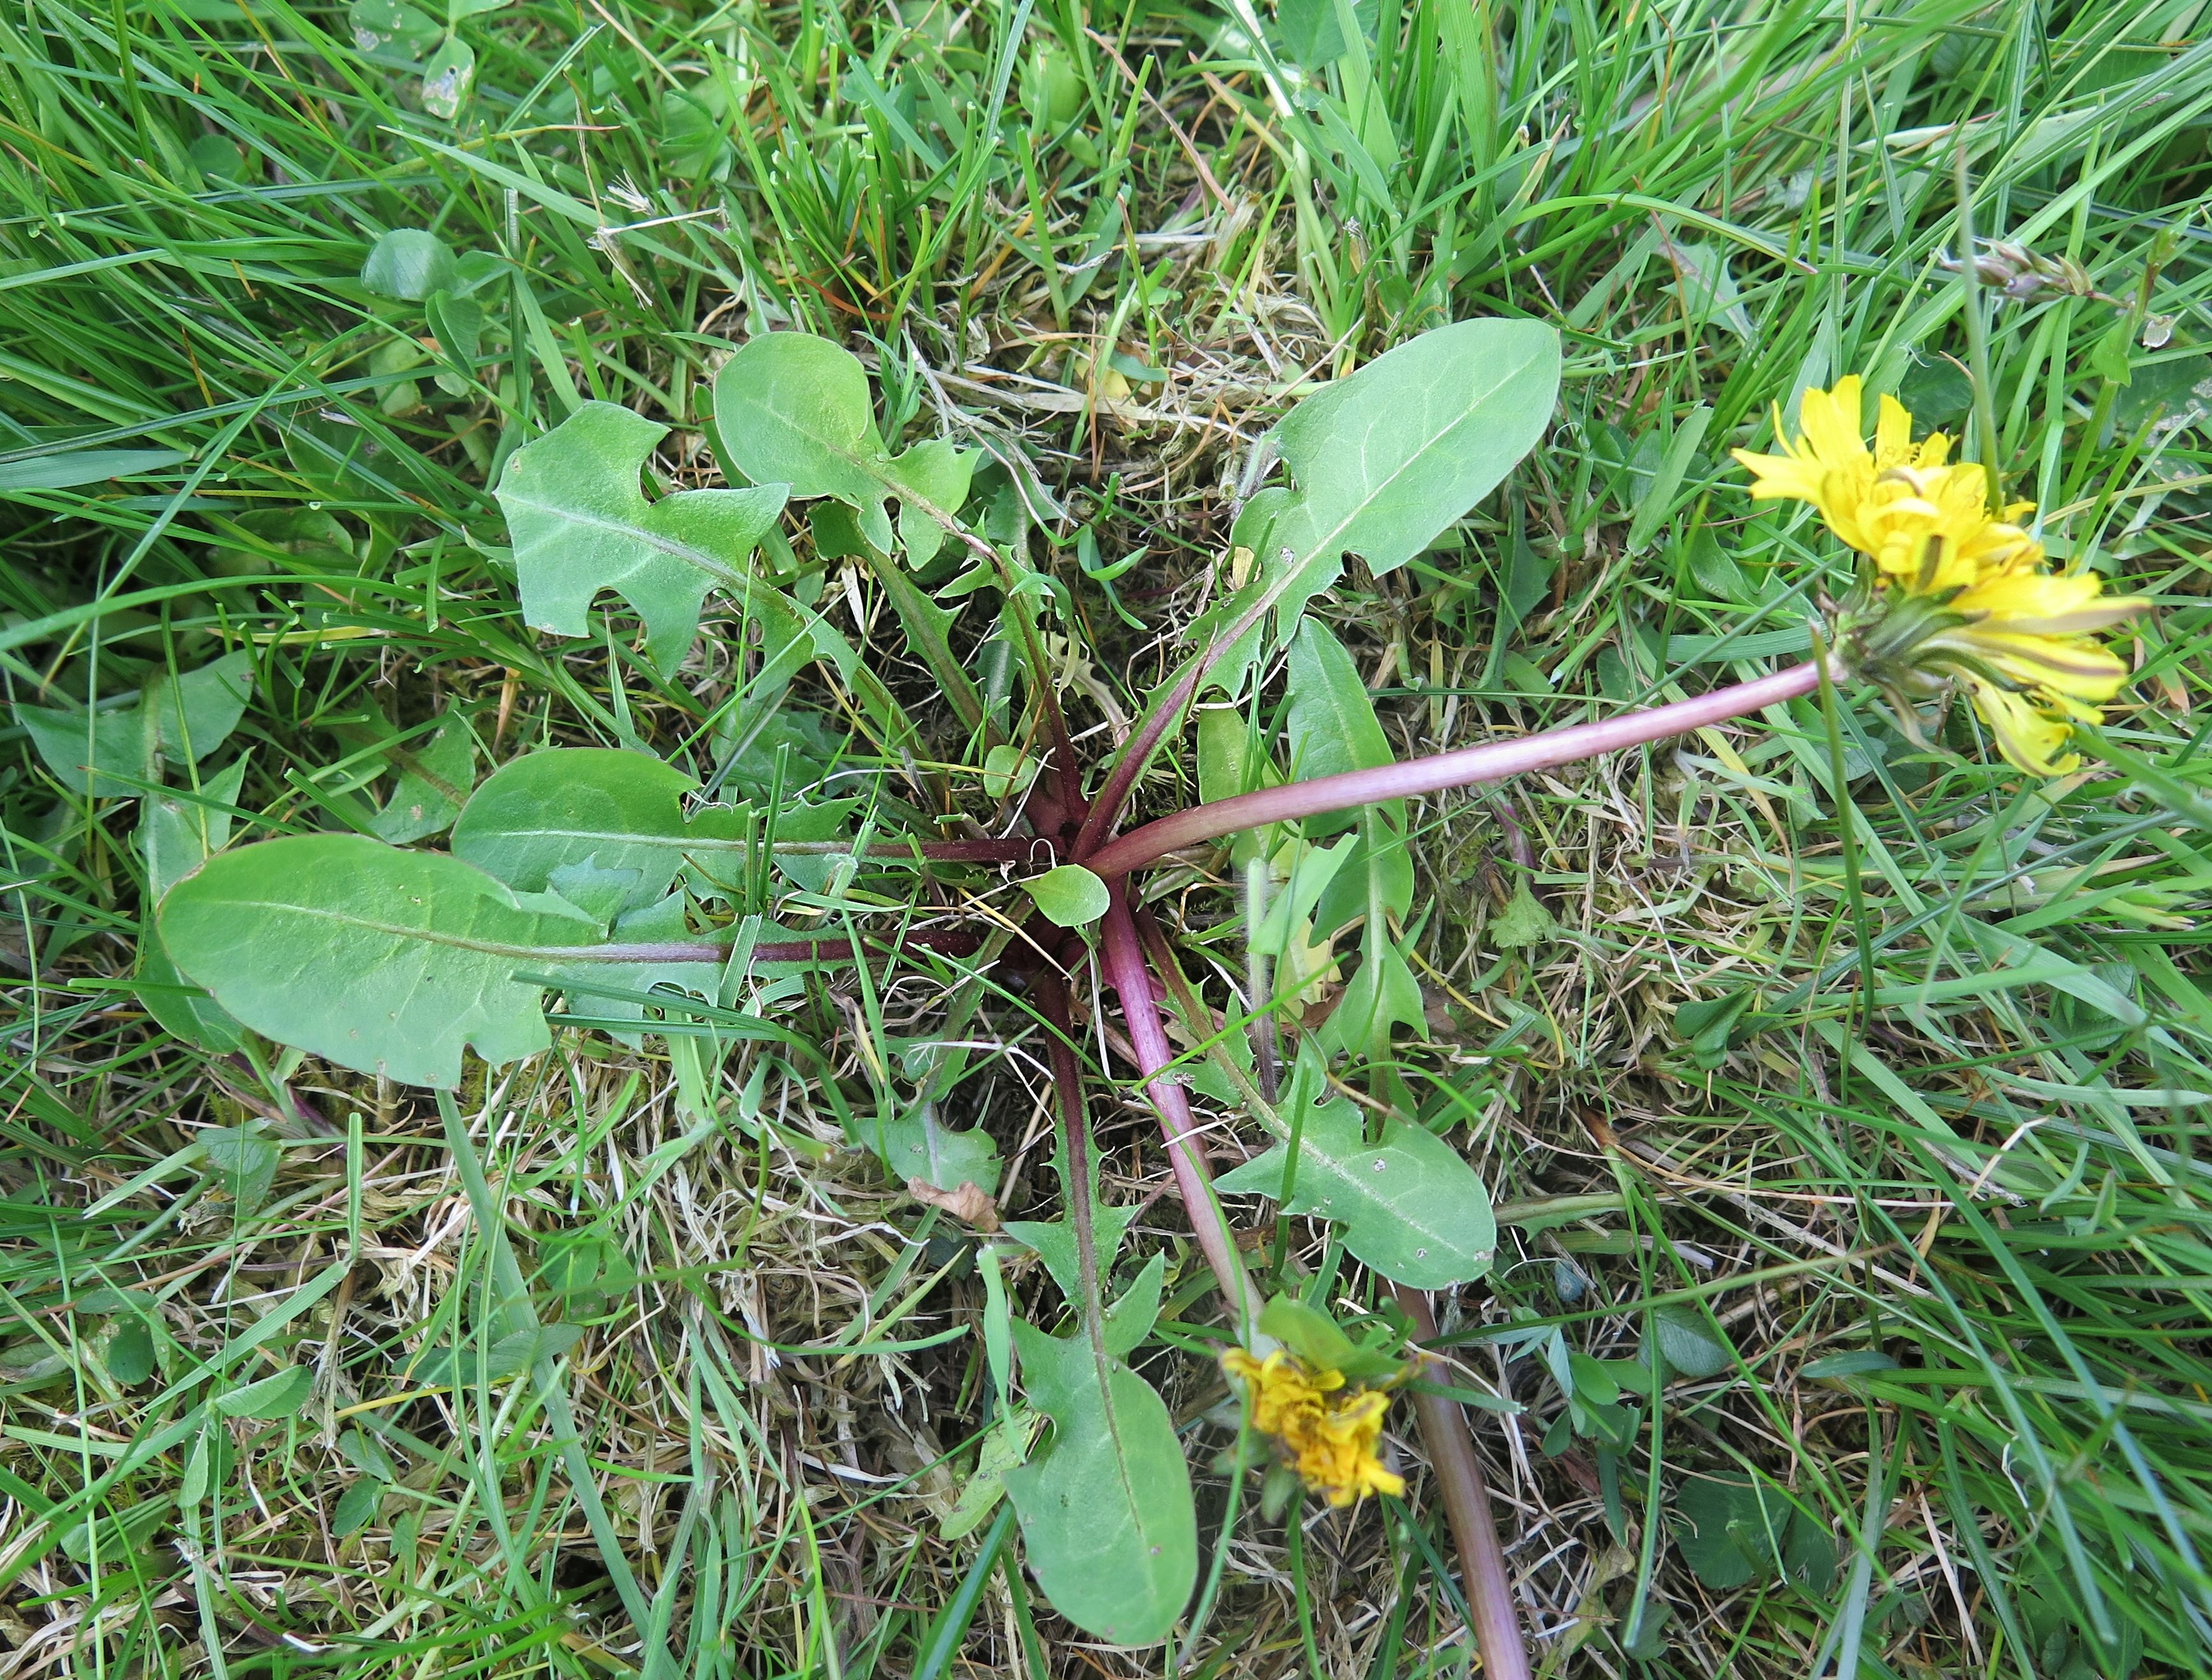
(1492, 761)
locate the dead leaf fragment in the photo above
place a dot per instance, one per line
(969, 1205)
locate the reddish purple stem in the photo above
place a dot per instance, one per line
(1489, 762)
(1133, 983)
(1467, 1505)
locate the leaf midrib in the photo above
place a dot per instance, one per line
(669, 546)
(1309, 1154)
(427, 936)
(1331, 541)
(625, 836)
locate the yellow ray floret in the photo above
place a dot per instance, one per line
(2016, 633)
(1328, 1436)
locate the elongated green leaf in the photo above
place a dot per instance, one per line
(382, 961)
(1332, 723)
(178, 832)
(1106, 1513)
(277, 1396)
(181, 1007)
(1333, 728)
(1384, 460)
(581, 524)
(1410, 1207)
(793, 409)
(1004, 1448)
(69, 468)
(574, 805)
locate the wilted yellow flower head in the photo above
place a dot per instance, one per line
(1955, 590)
(1328, 1436)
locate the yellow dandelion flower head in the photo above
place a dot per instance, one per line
(1330, 1436)
(1956, 591)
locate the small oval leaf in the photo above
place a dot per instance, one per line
(1069, 896)
(129, 1356)
(408, 263)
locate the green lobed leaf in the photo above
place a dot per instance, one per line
(622, 991)
(616, 810)
(1523, 922)
(1373, 877)
(793, 409)
(581, 524)
(1381, 994)
(1054, 1242)
(1409, 1206)
(382, 961)
(1106, 1512)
